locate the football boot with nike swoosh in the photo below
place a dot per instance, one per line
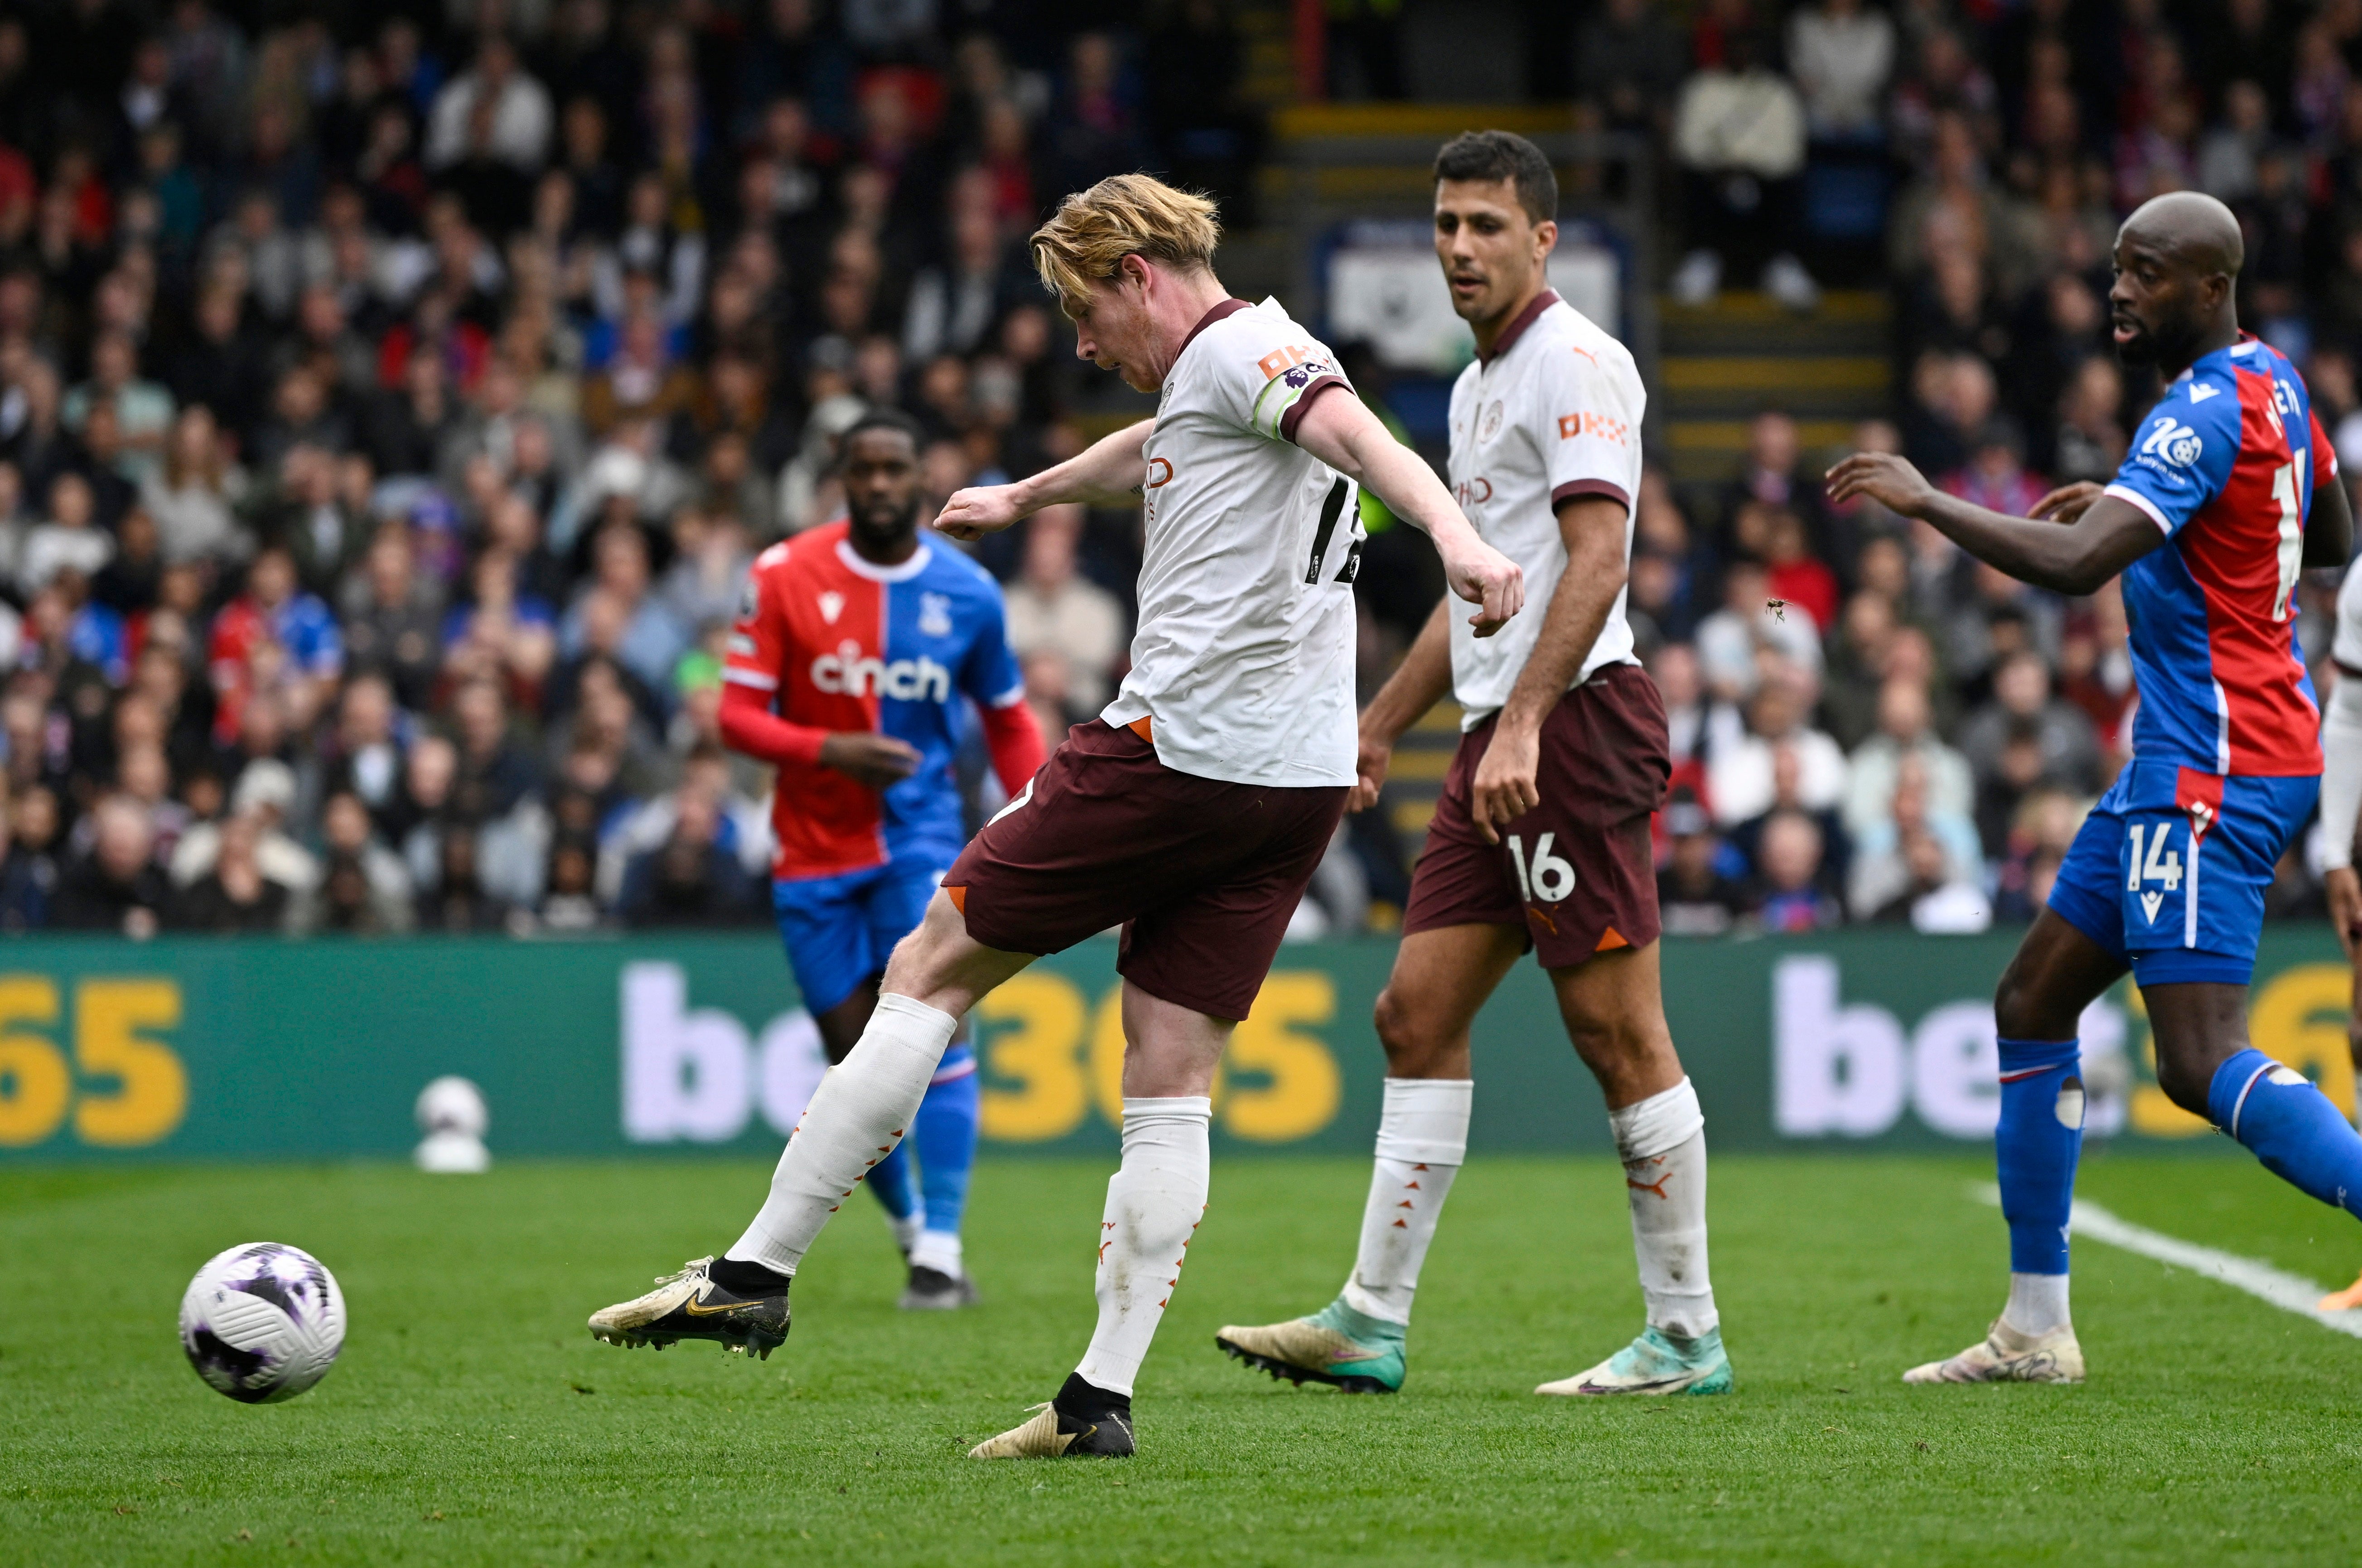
(691, 1305)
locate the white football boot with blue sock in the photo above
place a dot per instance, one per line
(2036, 1148)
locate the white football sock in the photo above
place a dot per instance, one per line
(856, 1116)
(938, 1250)
(1662, 1142)
(1422, 1144)
(907, 1231)
(2037, 1303)
(1155, 1201)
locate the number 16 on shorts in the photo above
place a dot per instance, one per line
(2158, 872)
(1547, 878)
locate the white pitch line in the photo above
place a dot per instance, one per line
(2289, 1292)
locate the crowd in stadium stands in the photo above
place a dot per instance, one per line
(392, 398)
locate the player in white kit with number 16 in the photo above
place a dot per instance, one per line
(1541, 841)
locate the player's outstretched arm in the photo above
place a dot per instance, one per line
(1339, 431)
(2108, 535)
(1107, 473)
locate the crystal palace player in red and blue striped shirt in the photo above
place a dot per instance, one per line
(2229, 491)
(858, 647)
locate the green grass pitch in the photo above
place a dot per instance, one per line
(472, 1419)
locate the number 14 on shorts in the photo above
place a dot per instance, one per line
(1547, 878)
(2162, 866)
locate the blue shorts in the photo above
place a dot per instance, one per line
(840, 930)
(2169, 871)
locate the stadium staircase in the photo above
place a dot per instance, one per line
(1720, 365)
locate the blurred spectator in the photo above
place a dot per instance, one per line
(496, 107)
(195, 494)
(1739, 133)
(265, 797)
(1741, 777)
(382, 902)
(1791, 893)
(1695, 896)
(235, 895)
(1906, 731)
(68, 540)
(689, 879)
(29, 872)
(2023, 703)
(454, 900)
(1734, 641)
(117, 887)
(1841, 54)
(1052, 607)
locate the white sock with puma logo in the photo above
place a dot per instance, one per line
(1662, 1142)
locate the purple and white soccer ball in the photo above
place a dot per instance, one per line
(262, 1322)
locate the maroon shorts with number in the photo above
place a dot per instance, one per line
(1576, 871)
(1202, 875)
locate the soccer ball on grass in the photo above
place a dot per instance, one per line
(262, 1322)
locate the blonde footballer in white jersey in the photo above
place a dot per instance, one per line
(1542, 838)
(1191, 812)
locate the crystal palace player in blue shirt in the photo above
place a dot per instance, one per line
(857, 652)
(2229, 491)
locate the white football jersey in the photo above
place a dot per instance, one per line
(1243, 661)
(2346, 647)
(1553, 412)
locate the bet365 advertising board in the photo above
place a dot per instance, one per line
(207, 1049)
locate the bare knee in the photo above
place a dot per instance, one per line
(2185, 1082)
(1419, 1044)
(2025, 1009)
(1632, 1057)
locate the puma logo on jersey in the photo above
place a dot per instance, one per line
(832, 605)
(848, 673)
(2175, 442)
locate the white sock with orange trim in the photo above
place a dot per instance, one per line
(860, 1111)
(1153, 1203)
(1663, 1141)
(1422, 1143)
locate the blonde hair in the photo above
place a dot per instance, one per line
(1125, 214)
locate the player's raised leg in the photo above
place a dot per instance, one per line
(857, 1116)
(839, 1029)
(1614, 1006)
(1357, 1343)
(2058, 970)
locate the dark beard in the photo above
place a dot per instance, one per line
(883, 532)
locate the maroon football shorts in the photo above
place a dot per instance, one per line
(1201, 875)
(1576, 872)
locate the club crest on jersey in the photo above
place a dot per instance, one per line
(832, 605)
(934, 615)
(2175, 442)
(749, 595)
(1492, 424)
